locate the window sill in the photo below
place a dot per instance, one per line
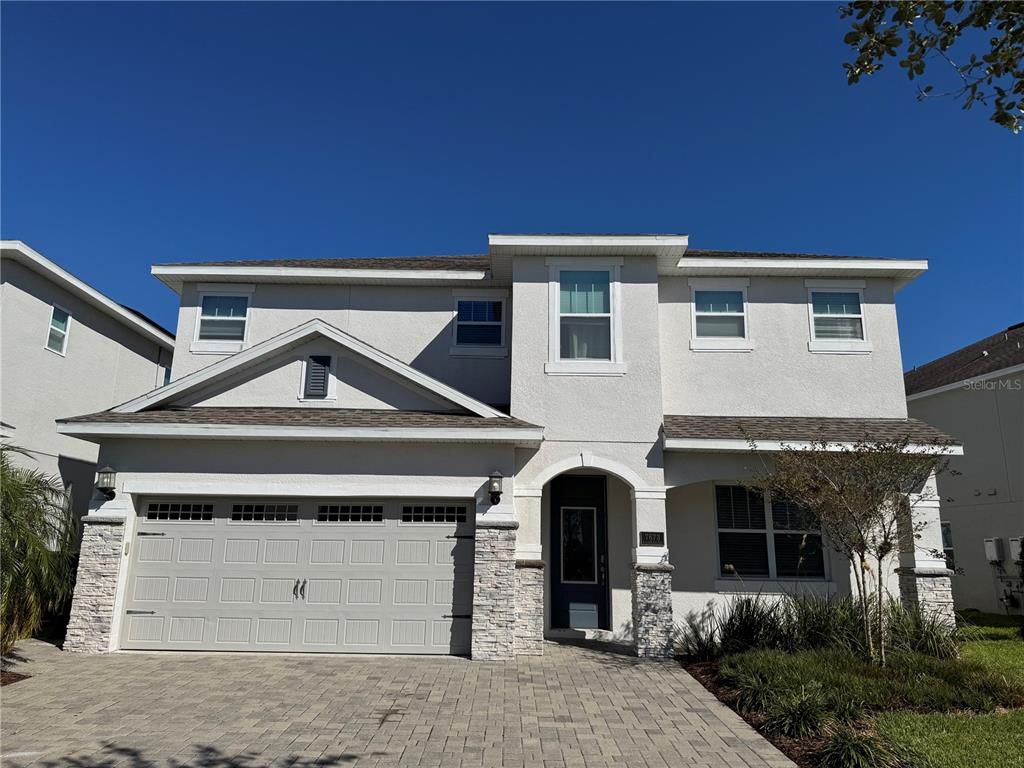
(215, 347)
(775, 586)
(721, 345)
(840, 347)
(332, 399)
(54, 351)
(470, 351)
(584, 368)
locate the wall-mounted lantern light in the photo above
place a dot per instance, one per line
(106, 482)
(494, 486)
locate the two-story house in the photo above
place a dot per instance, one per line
(465, 454)
(66, 349)
(977, 394)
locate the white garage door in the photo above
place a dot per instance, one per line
(331, 576)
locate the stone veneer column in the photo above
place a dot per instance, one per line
(494, 587)
(528, 639)
(923, 575)
(653, 627)
(92, 606)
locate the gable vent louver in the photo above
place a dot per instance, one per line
(318, 369)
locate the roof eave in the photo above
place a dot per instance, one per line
(662, 245)
(901, 270)
(739, 445)
(35, 261)
(98, 431)
(175, 276)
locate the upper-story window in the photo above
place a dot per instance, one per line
(764, 537)
(719, 318)
(585, 335)
(222, 318)
(479, 328)
(57, 335)
(837, 316)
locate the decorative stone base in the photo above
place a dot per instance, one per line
(929, 588)
(494, 584)
(528, 638)
(92, 606)
(653, 627)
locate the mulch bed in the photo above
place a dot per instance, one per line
(803, 752)
(7, 677)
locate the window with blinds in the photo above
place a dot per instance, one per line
(759, 536)
(837, 315)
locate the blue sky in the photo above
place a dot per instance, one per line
(140, 133)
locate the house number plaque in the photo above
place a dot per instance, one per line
(652, 539)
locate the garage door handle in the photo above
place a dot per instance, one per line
(460, 536)
(150, 533)
(295, 589)
(138, 613)
(302, 590)
(457, 616)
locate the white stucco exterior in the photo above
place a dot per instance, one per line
(109, 357)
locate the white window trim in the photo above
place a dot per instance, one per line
(837, 346)
(474, 350)
(332, 380)
(211, 346)
(49, 327)
(555, 365)
(769, 532)
(561, 537)
(724, 343)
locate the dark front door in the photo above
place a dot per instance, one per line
(579, 552)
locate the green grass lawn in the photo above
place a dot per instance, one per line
(991, 740)
(960, 741)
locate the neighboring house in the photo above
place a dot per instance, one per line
(65, 348)
(977, 394)
(463, 454)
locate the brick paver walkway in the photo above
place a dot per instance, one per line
(572, 707)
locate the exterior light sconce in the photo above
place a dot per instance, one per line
(494, 486)
(106, 482)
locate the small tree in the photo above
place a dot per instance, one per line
(860, 493)
(38, 544)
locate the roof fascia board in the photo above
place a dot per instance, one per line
(727, 445)
(174, 276)
(591, 241)
(36, 261)
(266, 349)
(881, 267)
(99, 430)
(964, 383)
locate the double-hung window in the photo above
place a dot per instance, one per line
(764, 538)
(719, 318)
(479, 324)
(585, 315)
(837, 316)
(223, 318)
(57, 335)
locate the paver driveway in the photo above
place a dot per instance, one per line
(572, 707)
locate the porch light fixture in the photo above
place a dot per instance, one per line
(106, 482)
(494, 486)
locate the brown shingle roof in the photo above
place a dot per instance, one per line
(998, 351)
(457, 263)
(300, 417)
(800, 428)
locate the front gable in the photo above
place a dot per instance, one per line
(269, 374)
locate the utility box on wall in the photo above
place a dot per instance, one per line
(994, 550)
(1015, 550)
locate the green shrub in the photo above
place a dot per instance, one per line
(848, 747)
(698, 637)
(750, 622)
(755, 691)
(920, 631)
(819, 622)
(797, 713)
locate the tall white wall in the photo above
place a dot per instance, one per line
(781, 377)
(105, 363)
(411, 323)
(983, 493)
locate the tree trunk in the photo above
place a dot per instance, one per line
(865, 611)
(881, 616)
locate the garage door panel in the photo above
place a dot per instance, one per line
(371, 579)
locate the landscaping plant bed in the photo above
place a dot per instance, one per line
(7, 677)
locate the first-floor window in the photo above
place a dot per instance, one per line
(947, 546)
(767, 538)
